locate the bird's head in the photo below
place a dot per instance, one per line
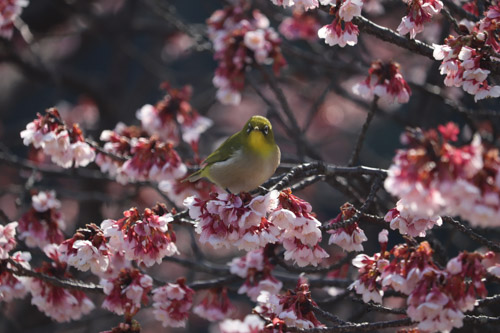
(258, 133)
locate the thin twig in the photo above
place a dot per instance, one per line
(469, 232)
(361, 138)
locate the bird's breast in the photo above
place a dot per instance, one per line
(244, 171)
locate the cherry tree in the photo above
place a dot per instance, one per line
(383, 214)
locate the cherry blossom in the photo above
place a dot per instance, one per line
(9, 11)
(11, 285)
(339, 33)
(462, 57)
(126, 292)
(7, 239)
(227, 219)
(256, 269)
(301, 25)
(42, 224)
(58, 303)
(301, 234)
(215, 306)
(172, 303)
(251, 324)
(172, 112)
(437, 298)
(385, 81)
(292, 309)
(145, 238)
(419, 13)
(408, 223)
(241, 40)
(65, 145)
(87, 249)
(350, 237)
(433, 177)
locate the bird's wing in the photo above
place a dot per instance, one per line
(225, 150)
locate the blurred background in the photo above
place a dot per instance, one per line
(100, 61)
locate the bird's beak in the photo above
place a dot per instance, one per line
(256, 128)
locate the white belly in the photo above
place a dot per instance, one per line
(243, 174)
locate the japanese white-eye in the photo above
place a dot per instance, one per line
(245, 160)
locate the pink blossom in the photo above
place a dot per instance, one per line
(87, 249)
(9, 11)
(448, 182)
(349, 9)
(215, 306)
(461, 59)
(302, 25)
(292, 309)
(65, 145)
(241, 39)
(40, 228)
(58, 303)
(339, 33)
(385, 81)
(409, 223)
(145, 238)
(420, 12)
(126, 292)
(172, 303)
(12, 286)
(228, 219)
(256, 269)
(7, 239)
(173, 115)
(301, 234)
(348, 238)
(251, 324)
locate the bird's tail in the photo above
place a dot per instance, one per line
(194, 176)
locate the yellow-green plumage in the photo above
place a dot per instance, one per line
(245, 160)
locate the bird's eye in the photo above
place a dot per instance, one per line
(249, 129)
(266, 130)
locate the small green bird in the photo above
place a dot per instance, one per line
(245, 160)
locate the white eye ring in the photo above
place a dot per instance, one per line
(266, 130)
(249, 129)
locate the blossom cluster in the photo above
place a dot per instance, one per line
(385, 81)
(7, 239)
(42, 224)
(342, 31)
(410, 223)
(437, 298)
(11, 285)
(58, 303)
(251, 324)
(125, 292)
(301, 25)
(350, 237)
(172, 303)
(146, 158)
(87, 249)
(256, 269)
(10, 10)
(419, 13)
(215, 306)
(463, 56)
(144, 238)
(172, 116)
(251, 223)
(241, 40)
(433, 177)
(65, 145)
(292, 309)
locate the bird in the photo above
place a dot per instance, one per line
(244, 161)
